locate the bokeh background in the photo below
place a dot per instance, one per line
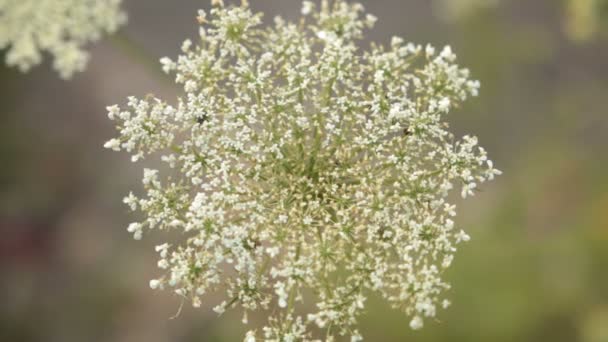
(535, 270)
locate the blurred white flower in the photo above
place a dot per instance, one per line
(154, 284)
(30, 28)
(416, 323)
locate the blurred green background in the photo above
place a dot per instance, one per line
(535, 270)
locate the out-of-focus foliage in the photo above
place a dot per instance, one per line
(582, 20)
(461, 9)
(585, 18)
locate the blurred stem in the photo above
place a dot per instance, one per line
(138, 54)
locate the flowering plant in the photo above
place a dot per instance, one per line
(303, 173)
(60, 27)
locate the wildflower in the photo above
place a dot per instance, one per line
(314, 171)
(250, 337)
(154, 284)
(416, 323)
(29, 28)
(444, 105)
(113, 144)
(307, 7)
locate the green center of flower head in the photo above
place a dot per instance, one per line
(304, 174)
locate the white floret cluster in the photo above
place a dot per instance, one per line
(61, 28)
(302, 173)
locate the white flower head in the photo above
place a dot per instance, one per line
(416, 323)
(313, 172)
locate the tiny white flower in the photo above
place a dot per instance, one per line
(163, 264)
(307, 7)
(447, 54)
(113, 144)
(150, 176)
(272, 251)
(186, 45)
(130, 201)
(190, 86)
(444, 105)
(467, 190)
(113, 111)
(449, 224)
(220, 309)
(370, 20)
(202, 16)
(133, 227)
(396, 41)
(250, 337)
(462, 237)
(416, 323)
(154, 284)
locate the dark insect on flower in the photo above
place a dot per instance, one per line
(202, 119)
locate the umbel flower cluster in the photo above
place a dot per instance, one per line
(29, 28)
(302, 173)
